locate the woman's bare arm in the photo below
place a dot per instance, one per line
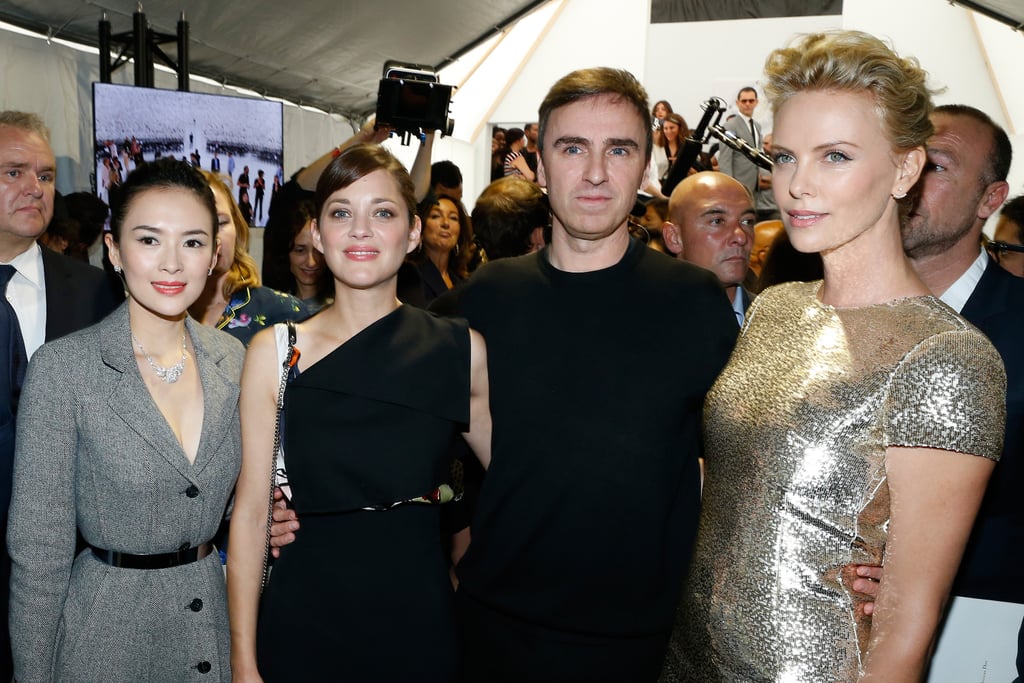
(258, 405)
(520, 164)
(479, 435)
(308, 177)
(420, 171)
(934, 497)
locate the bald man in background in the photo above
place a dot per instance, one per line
(710, 224)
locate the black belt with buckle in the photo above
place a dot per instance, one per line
(156, 561)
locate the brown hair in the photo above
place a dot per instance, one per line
(684, 130)
(464, 251)
(357, 162)
(505, 214)
(1000, 155)
(586, 83)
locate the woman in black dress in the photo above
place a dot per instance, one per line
(377, 395)
(673, 132)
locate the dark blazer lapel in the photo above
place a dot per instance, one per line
(989, 296)
(77, 295)
(59, 306)
(130, 399)
(220, 395)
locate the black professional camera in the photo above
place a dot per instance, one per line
(410, 100)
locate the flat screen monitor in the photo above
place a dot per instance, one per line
(240, 138)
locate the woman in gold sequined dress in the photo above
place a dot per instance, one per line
(858, 419)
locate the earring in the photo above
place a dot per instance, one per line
(209, 272)
(901, 194)
(117, 269)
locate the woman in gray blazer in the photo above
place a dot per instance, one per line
(128, 434)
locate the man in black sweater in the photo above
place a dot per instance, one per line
(588, 512)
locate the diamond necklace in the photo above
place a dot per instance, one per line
(171, 374)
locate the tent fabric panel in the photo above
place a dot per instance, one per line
(669, 11)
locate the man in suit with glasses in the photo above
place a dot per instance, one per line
(743, 126)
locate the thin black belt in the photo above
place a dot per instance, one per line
(156, 561)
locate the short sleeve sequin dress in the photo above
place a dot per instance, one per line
(796, 428)
(363, 593)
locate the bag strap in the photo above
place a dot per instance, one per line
(288, 359)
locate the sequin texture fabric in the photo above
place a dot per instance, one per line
(796, 429)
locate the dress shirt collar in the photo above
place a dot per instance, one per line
(26, 292)
(960, 291)
(737, 305)
(29, 265)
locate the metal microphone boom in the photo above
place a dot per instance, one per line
(709, 126)
(694, 142)
(743, 147)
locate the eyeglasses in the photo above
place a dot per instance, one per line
(997, 248)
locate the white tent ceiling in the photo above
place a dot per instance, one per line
(324, 53)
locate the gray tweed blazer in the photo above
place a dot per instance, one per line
(95, 455)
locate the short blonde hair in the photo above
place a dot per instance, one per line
(854, 61)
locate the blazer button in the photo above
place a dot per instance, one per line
(204, 667)
(192, 491)
(196, 605)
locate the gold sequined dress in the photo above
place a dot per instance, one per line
(796, 428)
